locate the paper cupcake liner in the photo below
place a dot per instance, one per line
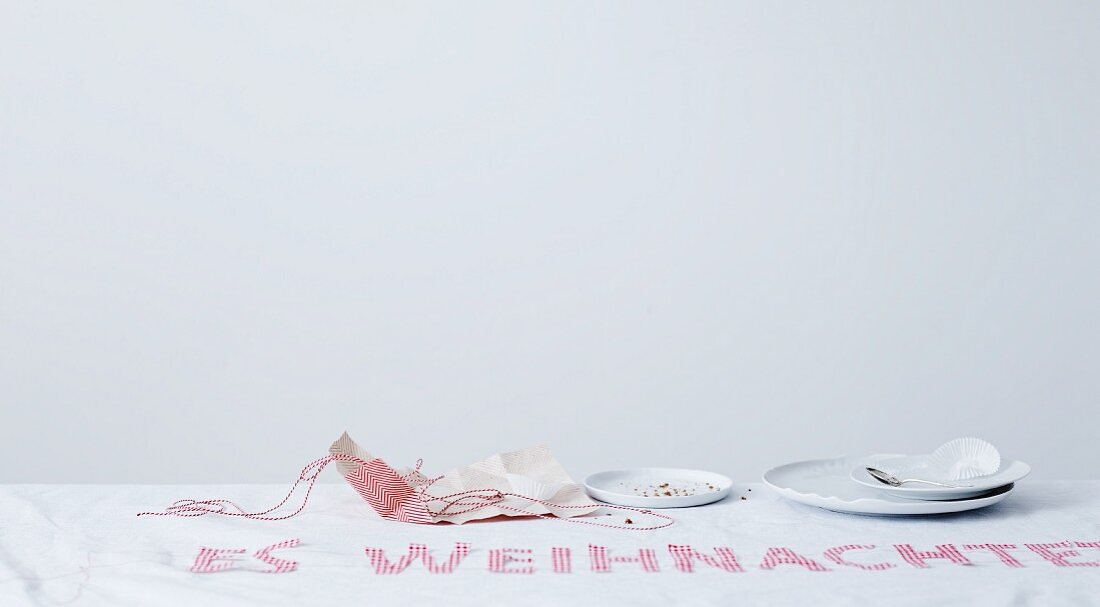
(965, 458)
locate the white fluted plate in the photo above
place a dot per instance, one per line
(825, 483)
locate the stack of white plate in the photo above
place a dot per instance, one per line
(844, 485)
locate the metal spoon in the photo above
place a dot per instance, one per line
(893, 481)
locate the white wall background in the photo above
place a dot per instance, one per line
(723, 234)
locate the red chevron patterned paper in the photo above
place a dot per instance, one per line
(389, 494)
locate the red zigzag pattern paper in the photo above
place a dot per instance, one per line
(388, 493)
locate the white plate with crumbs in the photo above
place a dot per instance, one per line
(658, 487)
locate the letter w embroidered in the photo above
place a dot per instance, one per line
(383, 566)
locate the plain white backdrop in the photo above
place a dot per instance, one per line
(722, 234)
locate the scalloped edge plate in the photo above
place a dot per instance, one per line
(825, 483)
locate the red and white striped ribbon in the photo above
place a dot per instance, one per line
(392, 496)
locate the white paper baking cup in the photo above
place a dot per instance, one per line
(965, 458)
(529, 487)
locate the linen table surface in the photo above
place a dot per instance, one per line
(83, 545)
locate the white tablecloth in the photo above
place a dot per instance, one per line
(73, 544)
